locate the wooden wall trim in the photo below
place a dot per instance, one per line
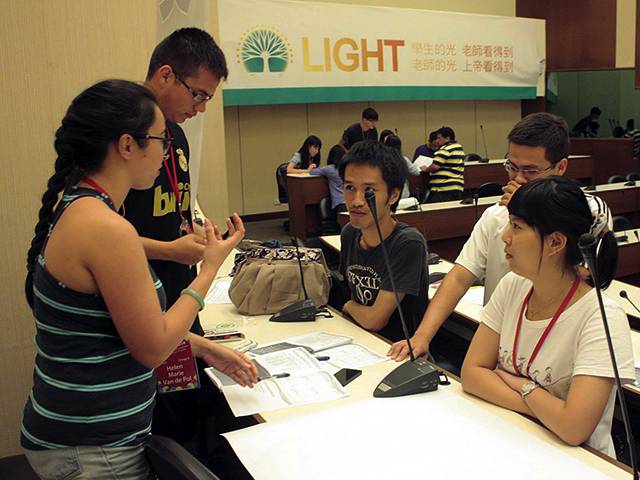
(581, 34)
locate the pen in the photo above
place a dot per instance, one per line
(322, 358)
(277, 375)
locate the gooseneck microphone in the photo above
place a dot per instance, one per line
(623, 294)
(370, 197)
(587, 245)
(416, 375)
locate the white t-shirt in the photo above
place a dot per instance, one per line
(483, 253)
(576, 345)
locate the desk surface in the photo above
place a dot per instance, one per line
(259, 329)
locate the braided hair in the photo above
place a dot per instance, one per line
(95, 119)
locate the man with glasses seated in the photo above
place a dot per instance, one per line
(538, 147)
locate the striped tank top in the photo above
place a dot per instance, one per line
(87, 388)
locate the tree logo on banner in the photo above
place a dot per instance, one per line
(264, 50)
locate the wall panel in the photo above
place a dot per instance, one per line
(49, 51)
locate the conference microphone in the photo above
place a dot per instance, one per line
(415, 375)
(475, 203)
(484, 142)
(302, 310)
(623, 294)
(587, 245)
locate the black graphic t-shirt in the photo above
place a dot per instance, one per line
(154, 213)
(366, 274)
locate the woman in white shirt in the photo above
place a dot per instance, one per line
(541, 347)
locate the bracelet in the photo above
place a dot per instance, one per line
(195, 295)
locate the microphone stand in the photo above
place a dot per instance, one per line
(416, 375)
(587, 245)
(370, 197)
(623, 294)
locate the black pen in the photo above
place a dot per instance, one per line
(322, 358)
(277, 375)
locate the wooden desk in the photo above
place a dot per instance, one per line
(629, 254)
(447, 225)
(478, 173)
(611, 156)
(305, 192)
(273, 466)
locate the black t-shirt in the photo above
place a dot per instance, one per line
(354, 134)
(366, 274)
(154, 213)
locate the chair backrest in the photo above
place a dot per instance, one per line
(170, 461)
(281, 181)
(326, 212)
(329, 225)
(490, 189)
(621, 223)
(633, 176)
(616, 179)
(472, 157)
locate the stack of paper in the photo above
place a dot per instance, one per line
(306, 382)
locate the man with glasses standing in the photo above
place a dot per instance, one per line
(184, 73)
(538, 147)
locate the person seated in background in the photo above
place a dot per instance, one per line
(618, 132)
(538, 147)
(584, 127)
(333, 177)
(307, 157)
(541, 347)
(428, 149)
(633, 133)
(446, 181)
(394, 141)
(381, 169)
(384, 134)
(364, 130)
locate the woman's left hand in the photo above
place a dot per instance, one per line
(232, 363)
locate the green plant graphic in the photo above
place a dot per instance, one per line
(264, 50)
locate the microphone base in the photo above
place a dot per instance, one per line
(302, 311)
(409, 378)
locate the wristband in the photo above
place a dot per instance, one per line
(195, 295)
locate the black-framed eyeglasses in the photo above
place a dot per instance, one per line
(526, 171)
(198, 96)
(166, 140)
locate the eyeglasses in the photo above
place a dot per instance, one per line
(198, 96)
(526, 171)
(166, 140)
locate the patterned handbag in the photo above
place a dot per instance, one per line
(265, 280)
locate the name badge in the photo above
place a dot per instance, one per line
(179, 371)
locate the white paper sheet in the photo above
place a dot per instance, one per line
(423, 161)
(475, 295)
(219, 292)
(350, 356)
(389, 438)
(319, 341)
(307, 383)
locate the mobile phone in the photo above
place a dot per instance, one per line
(347, 375)
(224, 336)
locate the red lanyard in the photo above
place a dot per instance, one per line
(545, 334)
(93, 184)
(173, 180)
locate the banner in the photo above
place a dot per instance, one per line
(282, 51)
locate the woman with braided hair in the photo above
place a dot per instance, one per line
(98, 307)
